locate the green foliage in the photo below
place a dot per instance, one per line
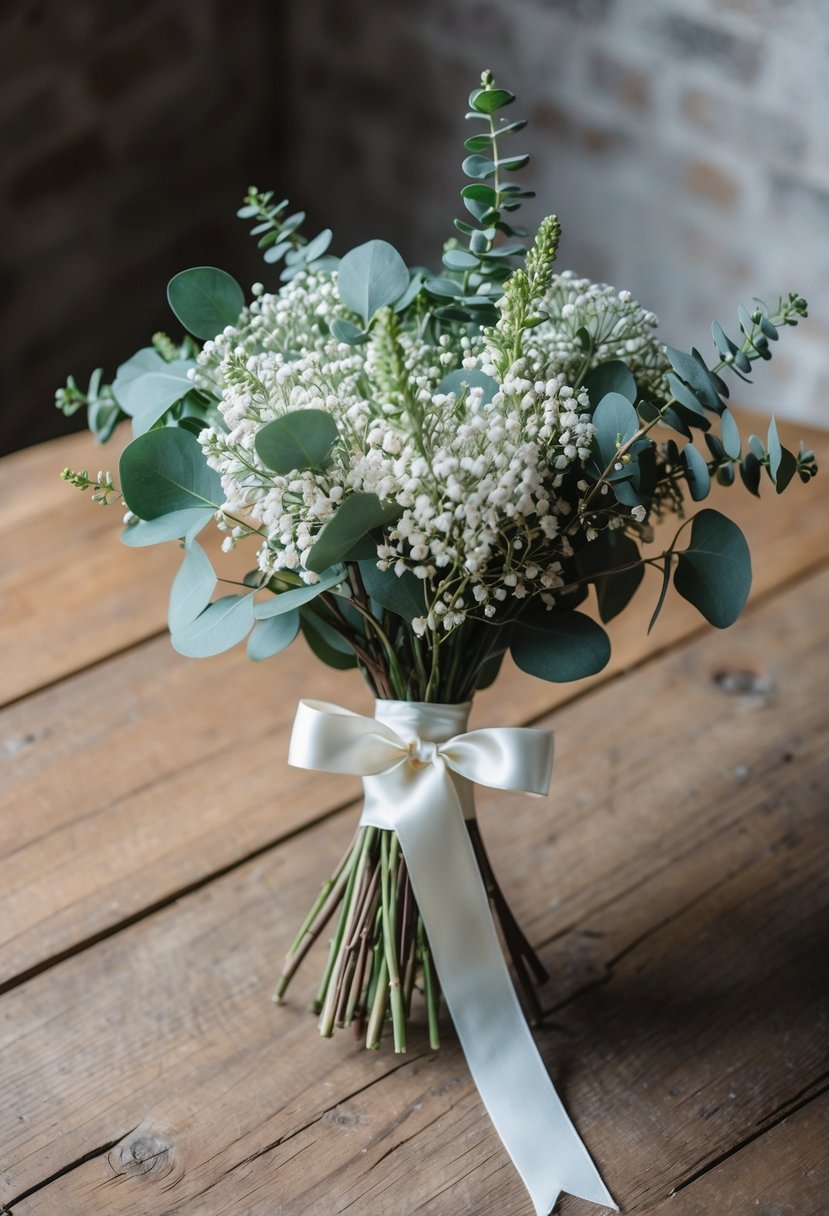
(191, 590)
(301, 439)
(222, 625)
(287, 601)
(103, 413)
(147, 386)
(326, 643)
(613, 564)
(714, 572)
(357, 515)
(371, 277)
(481, 269)
(205, 300)
(279, 237)
(559, 646)
(166, 470)
(404, 595)
(273, 635)
(187, 522)
(464, 378)
(613, 376)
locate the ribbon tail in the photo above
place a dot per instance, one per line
(502, 1056)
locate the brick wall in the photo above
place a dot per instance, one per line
(684, 144)
(129, 129)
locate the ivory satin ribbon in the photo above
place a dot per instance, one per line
(417, 761)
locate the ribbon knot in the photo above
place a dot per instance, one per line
(425, 802)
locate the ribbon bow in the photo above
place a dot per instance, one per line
(416, 773)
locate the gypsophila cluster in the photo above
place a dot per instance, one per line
(477, 480)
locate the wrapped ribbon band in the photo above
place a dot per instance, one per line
(417, 762)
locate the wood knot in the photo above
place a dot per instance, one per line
(743, 682)
(148, 1154)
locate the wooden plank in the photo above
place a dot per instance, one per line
(59, 550)
(100, 761)
(682, 890)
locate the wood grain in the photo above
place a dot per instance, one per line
(681, 892)
(123, 770)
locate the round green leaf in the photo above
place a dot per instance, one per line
(205, 300)
(166, 470)
(191, 590)
(326, 643)
(356, 515)
(613, 376)
(478, 166)
(401, 594)
(469, 378)
(370, 277)
(714, 572)
(344, 331)
(616, 422)
(222, 624)
(600, 561)
(566, 646)
(271, 636)
(302, 439)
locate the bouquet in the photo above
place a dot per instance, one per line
(432, 470)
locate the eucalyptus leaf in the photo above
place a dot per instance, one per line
(567, 646)
(785, 470)
(462, 377)
(300, 439)
(613, 376)
(273, 635)
(147, 386)
(459, 259)
(316, 248)
(696, 469)
(370, 277)
(166, 527)
(479, 166)
(694, 371)
(602, 561)
(487, 101)
(616, 422)
(166, 470)
(402, 594)
(287, 601)
(345, 332)
(205, 300)
(326, 643)
(192, 588)
(488, 671)
(775, 450)
(356, 515)
(222, 625)
(714, 572)
(750, 469)
(730, 435)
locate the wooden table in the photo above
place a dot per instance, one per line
(157, 854)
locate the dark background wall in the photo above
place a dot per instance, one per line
(684, 145)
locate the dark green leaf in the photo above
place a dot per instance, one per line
(370, 277)
(561, 647)
(222, 624)
(481, 194)
(301, 439)
(358, 514)
(616, 422)
(326, 643)
(271, 636)
(694, 371)
(725, 475)
(166, 470)
(750, 468)
(786, 469)
(663, 591)
(488, 671)
(402, 594)
(696, 469)
(714, 572)
(479, 167)
(205, 300)
(600, 561)
(487, 101)
(511, 163)
(613, 376)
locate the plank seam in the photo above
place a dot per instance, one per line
(90, 1155)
